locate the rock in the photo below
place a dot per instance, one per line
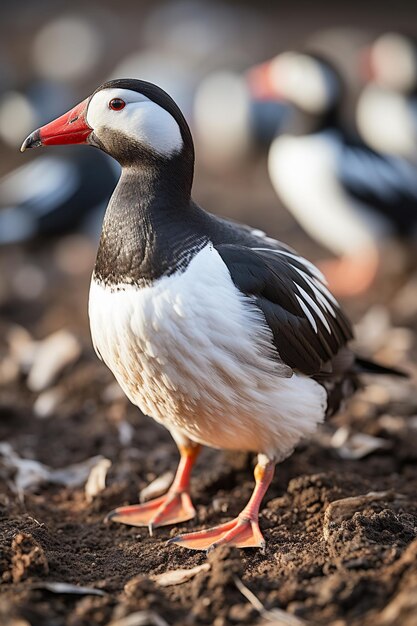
(179, 576)
(340, 510)
(367, 532)
(28, 558)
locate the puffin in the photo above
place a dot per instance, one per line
(386, 113)
(230, 126)
(228, 338)
(347, 196)
(54, 195)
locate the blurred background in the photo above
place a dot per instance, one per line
(304, 116)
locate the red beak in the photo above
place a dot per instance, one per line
(70, 128)
(366, 66)
(261, 84)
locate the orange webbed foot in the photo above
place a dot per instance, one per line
(241, 532)
(350, 276)
(172, 508)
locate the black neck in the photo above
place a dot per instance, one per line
(148, 229)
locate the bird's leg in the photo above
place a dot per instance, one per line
(352, 275)
(243, 531)
(174, 507)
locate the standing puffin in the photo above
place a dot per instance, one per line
(226, 337)
(387, 108)
(346, 195)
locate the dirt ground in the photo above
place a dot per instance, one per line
(340, 519)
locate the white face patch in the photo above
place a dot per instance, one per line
(303, 81)
(141, 119)
(386, 121)
(394, 62)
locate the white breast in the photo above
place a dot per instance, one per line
(385, 121)
(303, 173)
(195, 354)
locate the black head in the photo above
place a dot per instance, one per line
(127, 118)
(134, 119)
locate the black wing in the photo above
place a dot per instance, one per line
(386, 183)
(308, 326)
(222, 231)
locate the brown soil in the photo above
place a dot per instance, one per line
(332, 557)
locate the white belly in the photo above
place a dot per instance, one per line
(192, 353)
(302, 172)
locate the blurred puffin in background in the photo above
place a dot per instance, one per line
(51, 195)
(67, 191)
(387, 107)
(231, 125)
(54, 195)
(347, 196)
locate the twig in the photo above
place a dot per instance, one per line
(277, 616)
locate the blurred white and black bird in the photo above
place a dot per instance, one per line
(57, 193)
(54, 195)
(229, 124)
(228, 338)
(387, 108)
(347, 196)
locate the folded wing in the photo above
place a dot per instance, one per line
(309, 329)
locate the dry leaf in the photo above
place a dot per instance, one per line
(47, 402)
(358, 445)
(157, 487)
(96, 480)
(68, 588)
(30, 473)
(51, 356)
(179, 576)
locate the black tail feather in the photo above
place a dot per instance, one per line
(364, 366)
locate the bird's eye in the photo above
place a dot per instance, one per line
(117, 104)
